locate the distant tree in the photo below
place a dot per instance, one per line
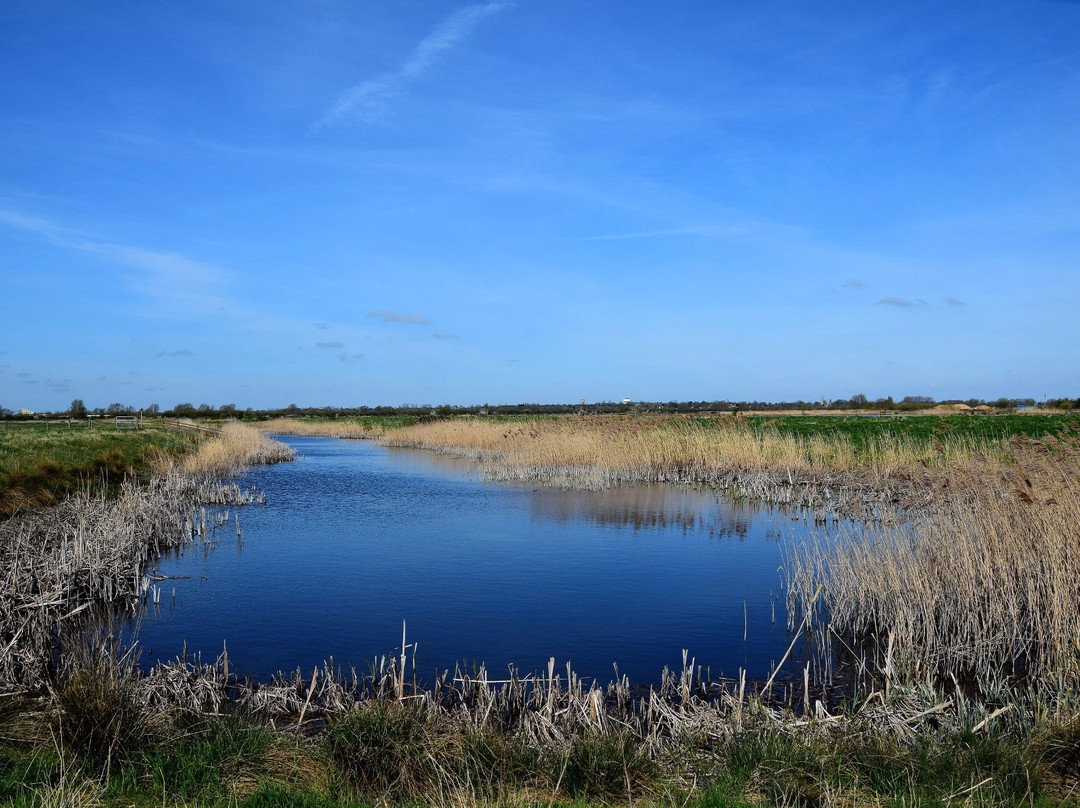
(153, 409)
(77, 408)
(116, 408)
(205, 409)
(185, 408)
(859, 401)
(227, 409)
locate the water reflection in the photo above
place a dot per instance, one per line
(649, 507)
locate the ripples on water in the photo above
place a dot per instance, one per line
(357, 538)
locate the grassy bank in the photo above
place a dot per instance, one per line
(104, 739)
(40, 464)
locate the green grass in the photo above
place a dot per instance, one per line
(41, 463)
(389, 755)
(864, 431)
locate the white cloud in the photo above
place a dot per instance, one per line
(367, 99)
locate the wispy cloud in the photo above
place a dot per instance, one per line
(331, 344)
(181, 352)
(853, 283)
(900, 302)
(445, 336)
(395, 317)
(167, 277)
(952, 301)
(367, 99)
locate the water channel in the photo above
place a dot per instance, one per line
(356, 538)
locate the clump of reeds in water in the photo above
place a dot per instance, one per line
(987, 581)
(90, 549)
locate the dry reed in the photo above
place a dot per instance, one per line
(234, 447)
(337, 428)
(827, 474)
(985, 581)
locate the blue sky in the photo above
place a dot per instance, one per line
(347, 203)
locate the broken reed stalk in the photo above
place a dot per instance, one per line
(543, 710)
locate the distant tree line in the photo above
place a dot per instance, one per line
(859, 401)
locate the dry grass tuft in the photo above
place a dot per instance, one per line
(236, 446)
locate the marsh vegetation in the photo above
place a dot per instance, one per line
(954, 602)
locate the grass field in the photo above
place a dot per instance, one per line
(40, 464)
(863, 431)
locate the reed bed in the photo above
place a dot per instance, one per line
(667, 449)
(96, 547)
(829, 474)
(87, 551)
(985, 581)
(326, 428)
(235, 446)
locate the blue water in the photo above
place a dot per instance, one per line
(356, 538)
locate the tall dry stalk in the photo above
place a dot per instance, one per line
(986, 580)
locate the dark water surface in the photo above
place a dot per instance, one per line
(356, 538)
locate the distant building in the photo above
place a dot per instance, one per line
(25, 411)
(626, 401)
